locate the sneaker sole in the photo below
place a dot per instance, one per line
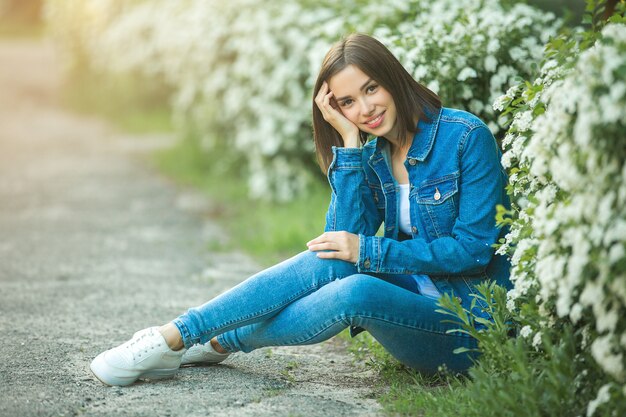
(201, 361)
(102, 371)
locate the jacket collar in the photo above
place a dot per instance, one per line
(423, 140)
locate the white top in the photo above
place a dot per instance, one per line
(424, 283)
(405, 218)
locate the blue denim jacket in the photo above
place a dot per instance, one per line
(456, 181)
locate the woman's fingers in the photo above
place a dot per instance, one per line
(332, 114)
(319, 99)
(323, 246)
(324, 237)
(342, 245)
(324, 101)
(329, 255)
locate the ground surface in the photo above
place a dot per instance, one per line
(94, 245)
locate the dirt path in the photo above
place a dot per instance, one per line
(95, 245)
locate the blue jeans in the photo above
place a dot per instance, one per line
(306, 300)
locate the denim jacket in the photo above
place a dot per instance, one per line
(456, 181)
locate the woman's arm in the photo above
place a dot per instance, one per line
(352, 207)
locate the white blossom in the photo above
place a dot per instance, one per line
(490, 63)
(537, 340)
(466, 73)
(525, 331)
(602, 397)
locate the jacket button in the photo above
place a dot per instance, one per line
(367, 264)
(414, 229)
(412, 161)
(437, 195)
(376, 197)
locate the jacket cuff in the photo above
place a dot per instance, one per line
(347, 158)
(369, 247)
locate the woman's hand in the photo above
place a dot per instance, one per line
(348, 130)
(343, 245)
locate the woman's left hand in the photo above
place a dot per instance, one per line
(342, 245)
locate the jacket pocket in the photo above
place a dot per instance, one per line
(437, 201)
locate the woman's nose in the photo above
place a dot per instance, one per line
(367, 108)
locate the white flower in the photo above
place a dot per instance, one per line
(602, 397)
(523, 121)
(490, 63)
(500, 102)
(493, 46)
(576, 312)
(434, 86)
(517, 53)
(466, 73)
(525, 331)
(602, 352)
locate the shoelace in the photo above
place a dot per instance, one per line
(142, 345)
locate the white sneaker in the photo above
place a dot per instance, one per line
(203, 354)
(146, 355)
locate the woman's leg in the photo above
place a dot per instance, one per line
(404, 322)
(260, 297)
(156, 353)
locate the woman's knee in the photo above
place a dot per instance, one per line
(357, 292)
(307, 262)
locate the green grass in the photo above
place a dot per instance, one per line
(404, 391)
(417, 395)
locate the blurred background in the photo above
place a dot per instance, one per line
(20, 17)
(232, 80)
(230, 84)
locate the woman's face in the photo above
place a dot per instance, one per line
(364, 102)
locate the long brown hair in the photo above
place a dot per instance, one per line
(375, 60)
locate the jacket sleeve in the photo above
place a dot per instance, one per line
(468, 249)
(352, 207)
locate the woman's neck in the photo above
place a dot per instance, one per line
(397, 149)
(394, 142)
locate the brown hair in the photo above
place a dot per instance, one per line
(375, 60)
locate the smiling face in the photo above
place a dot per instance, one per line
(364, 102)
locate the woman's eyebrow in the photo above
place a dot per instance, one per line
(369, 80)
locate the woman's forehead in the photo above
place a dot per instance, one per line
(349, 78)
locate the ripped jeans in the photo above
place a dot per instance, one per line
(306, 300)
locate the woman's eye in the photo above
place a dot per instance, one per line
(345, 103)
(371, 88)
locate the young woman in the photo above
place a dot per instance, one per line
(431, 175)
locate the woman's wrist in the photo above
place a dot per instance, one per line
(351, 141)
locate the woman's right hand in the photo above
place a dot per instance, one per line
(348, 131)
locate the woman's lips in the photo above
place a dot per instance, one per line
(376, 121)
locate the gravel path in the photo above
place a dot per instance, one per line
(94, 244)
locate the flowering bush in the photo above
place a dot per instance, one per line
(469, 51)
(242, 70)
(566, 154)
